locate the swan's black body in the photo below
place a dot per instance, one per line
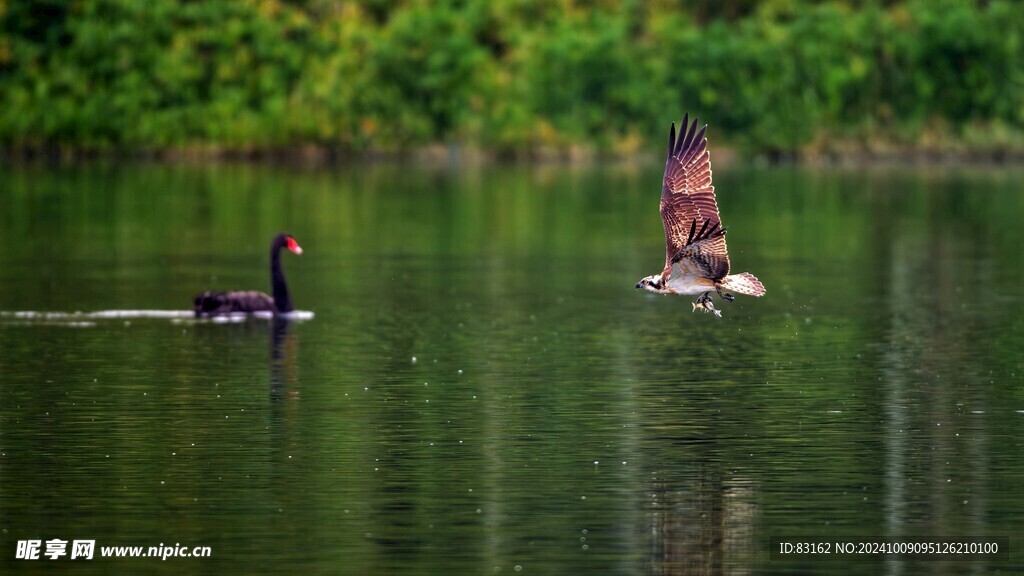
(212, 303)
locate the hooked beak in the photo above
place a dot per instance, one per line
(639, 285)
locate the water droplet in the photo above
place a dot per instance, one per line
(413, 359)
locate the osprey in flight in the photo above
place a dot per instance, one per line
(696, 260)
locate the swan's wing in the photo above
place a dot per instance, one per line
(213, 303)
(687, 196)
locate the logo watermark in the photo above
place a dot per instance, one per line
(87, 549)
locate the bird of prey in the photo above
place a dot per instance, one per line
(696, 260)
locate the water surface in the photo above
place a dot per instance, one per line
(481, 389)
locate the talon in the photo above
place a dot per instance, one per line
(728, 297)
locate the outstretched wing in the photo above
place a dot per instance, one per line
(703, 254)
(687, 196)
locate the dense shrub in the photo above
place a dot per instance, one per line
(776, 75)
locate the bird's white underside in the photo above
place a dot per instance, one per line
(686, 279)
(689, 284)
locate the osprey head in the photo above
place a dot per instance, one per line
(651, 284)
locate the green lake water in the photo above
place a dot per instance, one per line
(481, 389)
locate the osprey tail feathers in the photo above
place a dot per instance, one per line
(743, 283)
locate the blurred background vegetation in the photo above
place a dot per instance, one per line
(517, 78)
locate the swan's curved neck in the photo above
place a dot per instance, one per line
(279, 288)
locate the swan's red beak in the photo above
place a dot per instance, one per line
(294, 246)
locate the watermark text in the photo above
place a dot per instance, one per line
(86, 550)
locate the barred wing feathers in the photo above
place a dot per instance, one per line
(704, 252)
(687, 195)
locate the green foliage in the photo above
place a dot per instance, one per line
(517, 76)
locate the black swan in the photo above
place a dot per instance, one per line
(212, 303)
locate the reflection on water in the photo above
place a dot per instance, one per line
(284, 378)
(704, 525)
(482, 389)
(935, 386)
